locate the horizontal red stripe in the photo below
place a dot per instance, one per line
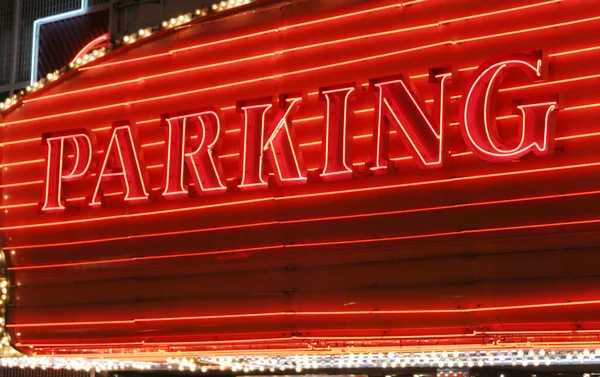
(314, 219)
(300, 196)
(288, 50)
(316, 244)
(308, 70)
(312, 313)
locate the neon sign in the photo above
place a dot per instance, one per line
(268, 136)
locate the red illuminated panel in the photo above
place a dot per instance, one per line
(326, 251)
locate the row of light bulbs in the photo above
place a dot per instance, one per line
(5, 346)
(299, 363)
(456, 359)
(75, 364)
(126, 40)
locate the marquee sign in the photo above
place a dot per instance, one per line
(311, 176)
(192, 138)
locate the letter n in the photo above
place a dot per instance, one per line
(420, 129)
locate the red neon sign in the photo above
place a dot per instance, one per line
(268, 136)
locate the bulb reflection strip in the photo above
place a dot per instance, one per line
(282, 52)
(272, 77)
(381, 337)
(500, 308)
(298, 221)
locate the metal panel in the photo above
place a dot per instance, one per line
(32, 10)
(17, 372)
(6, 39)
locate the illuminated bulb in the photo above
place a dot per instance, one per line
(50, 76)
(78, 61)
(71, 64)
(231, 2)
(215, 7)
(141, 32)
(172, 21)
(95, 53)
(180, 18)
(2, 105)
(126, 39)
(28, 88)
(86, 57)
(223, 4)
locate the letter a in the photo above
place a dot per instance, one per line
(122, 161)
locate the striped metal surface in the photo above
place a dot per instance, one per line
(17, 372)
(469, 254)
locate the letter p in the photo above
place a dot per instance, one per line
(61, 167)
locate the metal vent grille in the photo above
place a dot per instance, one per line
(6, 40)
(17, 372)
(30, 11)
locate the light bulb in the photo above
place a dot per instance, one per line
(180, 18)
(165, 23)
(126, 38)
(215, 7)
